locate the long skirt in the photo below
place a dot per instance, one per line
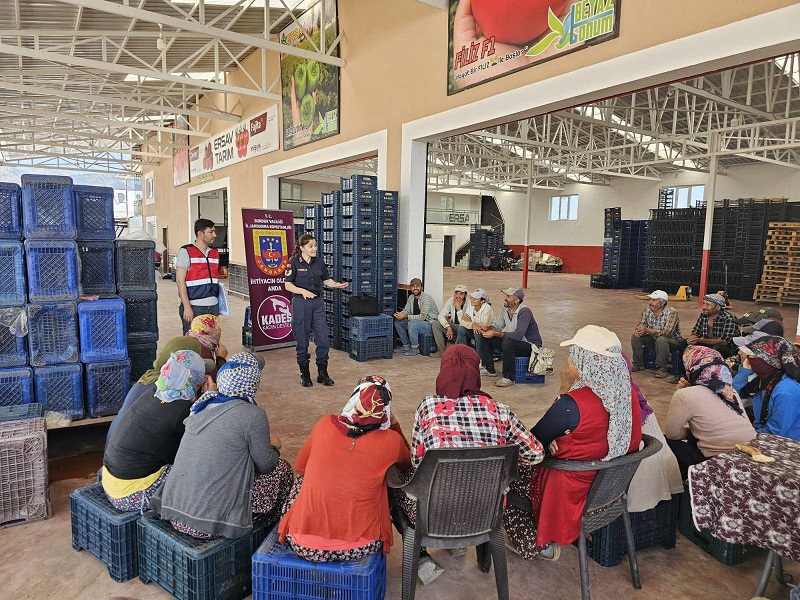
(521, 527)
(139, 501)
(270, 491)
(316, 555)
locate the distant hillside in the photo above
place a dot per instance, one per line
(13, 175)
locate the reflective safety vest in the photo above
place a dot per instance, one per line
(202, 277)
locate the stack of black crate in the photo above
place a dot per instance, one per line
(674, 248)
(623, 253)
(483, 243)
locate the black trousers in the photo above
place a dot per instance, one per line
(687, 453)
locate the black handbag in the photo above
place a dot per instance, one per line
(363, 305)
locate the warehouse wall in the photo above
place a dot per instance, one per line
(412, 38)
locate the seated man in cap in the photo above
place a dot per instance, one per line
(448, 326)
(417, 317)
(715, 327)
(479, 312)
(754, 316)
(514, 331)
(659, 328)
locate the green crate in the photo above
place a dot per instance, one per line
(724, 552)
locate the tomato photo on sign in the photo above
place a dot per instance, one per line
(514, 21)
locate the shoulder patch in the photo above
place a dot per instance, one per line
(288, 271)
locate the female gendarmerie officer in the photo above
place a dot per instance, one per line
(305, 276)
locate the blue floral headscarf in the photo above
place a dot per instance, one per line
(180, 376)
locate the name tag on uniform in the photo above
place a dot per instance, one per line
(301, 270)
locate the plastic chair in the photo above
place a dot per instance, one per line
(459, 494)
(607, 500)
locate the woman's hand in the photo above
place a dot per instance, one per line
(341, 285)
(308, 295)
(222, 351)
(275, 442)
(683, 383)
(552, 447)
(209, 385)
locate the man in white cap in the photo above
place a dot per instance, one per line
(659, 328)
(513, 332)
(480, 313)
(447, 327)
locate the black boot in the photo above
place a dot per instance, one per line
(323, 376)
(305, 376)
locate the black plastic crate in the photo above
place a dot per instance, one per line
(141, 316)
(142, 357)
(377, 347)
(97, 267)
(135, 265)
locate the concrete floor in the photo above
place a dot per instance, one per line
(37, 560)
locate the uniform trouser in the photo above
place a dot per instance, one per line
(663, 345)
(197, 309)
(409, 331)
(510, 349)
(309, 315)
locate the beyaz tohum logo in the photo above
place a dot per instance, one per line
(585, 21)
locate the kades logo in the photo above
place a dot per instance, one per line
(274, 317)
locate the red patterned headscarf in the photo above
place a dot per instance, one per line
(206, 330)
(459, 374)
(368, 407)
(771, 357)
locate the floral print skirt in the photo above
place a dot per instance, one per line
(139, 501)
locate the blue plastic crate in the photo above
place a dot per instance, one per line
(192, 569)
(12, 266)
(364, 285)
(107, 384)
(377, 347)
(279, 574)
(10, 212)
(359, 221)
(16, 384)
(20, 412)
(427, 343)
(13, 347)
(142, 357)
(107, 533)
(94, 212)
(359, 182)
(52, 334)
(48, 208)
(59, 388)
(521, 374)
(351, 273)
(52, 270)
(135, 265)
(362, 328)
(97, 267)
(102, 328)
(141, 316)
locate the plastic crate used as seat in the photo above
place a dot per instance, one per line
(94, 212)
(674, 360)
(10, 211)
(13, 347)
(97, 267)
(141, 316)
(16, 384)
(52, 334)
(12, 265)
(103, 330)
(724, 552)
(59, 388)
(107, 533)
(377, 347)
(427, 343)
(135, 265)
(24, 486)
(192, 569)
(142, 357)
(362, 328)
(521, 374)
(20, 412)
(279, 574)
(48, 208)
(52, 270)
(107, 384)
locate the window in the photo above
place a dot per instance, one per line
(149, 189)
(686, 196)
(291, 191)
(151, 226)
(447, 202)
(564, 208)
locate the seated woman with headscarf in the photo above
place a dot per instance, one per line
(338, 508)
(461, 415)
(658, 477)
(776, 363)
(705, 416)
(226, 468)
(203, 338)
(596, 417)
(140, 451)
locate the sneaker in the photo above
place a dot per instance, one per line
(411, 352)
(486, 373)
(503, 382)
(428, 570)
(550, 552)
(636, 368)
(661, 374)
(402, 349)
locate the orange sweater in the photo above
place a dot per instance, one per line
(343, 495)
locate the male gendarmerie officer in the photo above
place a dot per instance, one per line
(305, 276)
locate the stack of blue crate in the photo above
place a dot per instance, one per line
(386, 224)
(328, 237)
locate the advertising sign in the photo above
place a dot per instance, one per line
(269, 243)
(180, 156)
(252, 137)
(310, 89)
(491, 38)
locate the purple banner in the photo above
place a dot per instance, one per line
(269, 243)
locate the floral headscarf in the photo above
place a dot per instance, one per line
(238, 378)
(772, 356)
(705, 366)
(459, 374)
(608, 377)
(645, 407)
(367, 409)
(206, 329)
(180, 376)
